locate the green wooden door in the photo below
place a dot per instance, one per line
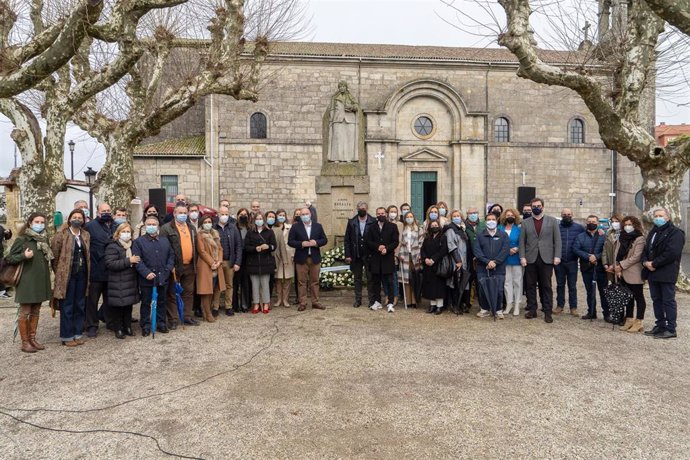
(417, 192)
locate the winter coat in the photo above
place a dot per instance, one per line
(171, 232)
(568, 235)
(664, 253)
(382, 264)
(157, 257)
(123, 281)
(487, 248)
(607, 257)
(631, 265)
(101, 235)
(284, 254)
(298, 234)
(586, 244)
(434, 287)
(34, 283)
(63, 251)
(259, 263)
(207, 256)
(231, 242)
(355, 248)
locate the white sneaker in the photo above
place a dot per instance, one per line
(483, 314)
(516, 312)
(376, 306)
(390, 308)
(500, 314)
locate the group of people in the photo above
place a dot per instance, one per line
(110, 260)
(451, 255)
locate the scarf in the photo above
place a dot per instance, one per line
(127, 246)
(208, 235)
(41, 242)
(625, 240)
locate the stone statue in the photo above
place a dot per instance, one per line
(342, 126)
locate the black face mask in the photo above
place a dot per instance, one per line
(510, 220)
(106, 217)
(537, 210)
(361, 212)
(381, 218)
(567, 221)
(526, 215)
(244, 219)
(496, 213)
(434, 229)
(592, 227)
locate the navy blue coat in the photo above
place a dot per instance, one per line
(664, 253)
(585, 245)
(231, 241)
(157, 256)
(298, 234)
(568, 236)
(101, 234)
(355, 247)
(387, 236)
(487, 248)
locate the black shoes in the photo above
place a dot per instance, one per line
(197, 313)
(608, 319)
(230, 312)
(357, 304)
(173, 325)
(665, 335)
(145, 332)
(530, 314)
(191, 322)
(120, 334)
(163, 329)
(92, 332)
(215, 313)
(656, 330)
(588, 316)
(129, 331)
(548, 318)
(438, 311)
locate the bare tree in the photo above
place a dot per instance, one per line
(675, 12)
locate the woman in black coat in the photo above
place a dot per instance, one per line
(434, 248)
(123, 288)
(259, 262)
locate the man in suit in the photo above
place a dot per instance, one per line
(381, 240)
(540, 250)
(355, 248)
(307, 237)
(660, 266)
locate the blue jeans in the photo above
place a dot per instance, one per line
(664, 302)
(566, 272)
(145, 308)
(394, 287)
(73, 307)
(589, 277)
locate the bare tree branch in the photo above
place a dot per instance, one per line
(675, 12)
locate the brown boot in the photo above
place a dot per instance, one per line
(33, 327)
(23, 324)
(208, 314)
(627, 325)
(636, 326)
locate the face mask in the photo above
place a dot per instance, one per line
(207, 226)
(434, 229)
(457, 220)
(659, 221)
(125, 236)
(409, 221)
(381, 218)
(592, 227)
(182, 218)
(491, 224)
(361, 212)
(629, 229)
(76, 223)
(244, 219)
(567, 220)
(510, 220)
(120, 220)
(194, 215)
(259, 223)
(474, 217)
(526, 215)
(433, 215)
(85, 211)
(496, 213)
(281, 219)
(442, 211)
(223, 219)
(305, 219)
(405, 211)
(616, 226)
(393, 215)
(537, 210)
(152, 229)
(152, 214)
(270, 221)
(38, 228)
(106, 217)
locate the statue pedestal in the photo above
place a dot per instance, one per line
(338, 197)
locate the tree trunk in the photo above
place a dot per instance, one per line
(39, 186)
(116, 179)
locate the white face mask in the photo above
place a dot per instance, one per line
(629, 229)
(392, 216)
(224, 219)
(194, 215)
(616, 226)
(491, 224)
(125, 236)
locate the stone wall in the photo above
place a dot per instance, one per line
(193, 177)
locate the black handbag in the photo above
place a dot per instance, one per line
(446, 267)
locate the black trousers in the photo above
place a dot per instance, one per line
(375, 281)
(538, 275)
(121, 317)
(96, 289)
(638, 298)
(242, 290)
(359, 269)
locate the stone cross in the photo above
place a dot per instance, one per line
(585, 29)
(380, 156)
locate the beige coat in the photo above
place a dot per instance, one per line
(284, 254)
(207, 256)
(63, 250)
(631, 265)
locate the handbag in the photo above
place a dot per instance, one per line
(446, 267)
(10, 274)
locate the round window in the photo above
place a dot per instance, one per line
(423, 126)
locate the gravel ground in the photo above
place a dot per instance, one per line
(350, 383)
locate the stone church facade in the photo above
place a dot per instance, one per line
(432, 124)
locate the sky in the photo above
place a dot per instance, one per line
(411, 22)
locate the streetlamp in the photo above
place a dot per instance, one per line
(90, 175)
(71, 144)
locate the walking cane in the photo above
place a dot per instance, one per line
(402, 280)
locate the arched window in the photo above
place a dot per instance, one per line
(501, 130)
(576, 131)
(257, 126)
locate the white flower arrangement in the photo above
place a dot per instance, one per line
(335, 258)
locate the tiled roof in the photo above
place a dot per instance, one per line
(672, 130)
(183, 147)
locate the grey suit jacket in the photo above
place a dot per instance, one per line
(547, 245)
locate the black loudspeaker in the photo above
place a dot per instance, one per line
(157, 198)
(525, 195)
